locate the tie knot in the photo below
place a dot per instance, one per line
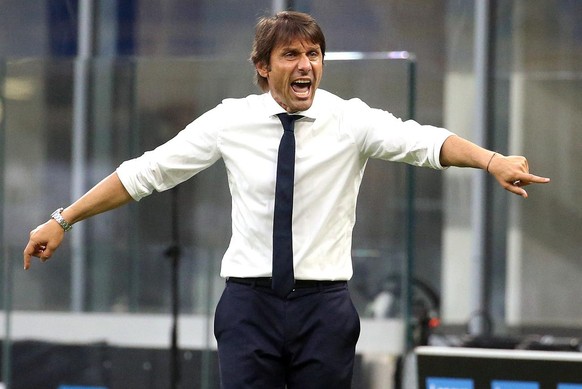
(288, 121)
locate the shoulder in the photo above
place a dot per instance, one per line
(231, 110)
(252, 101)
(337, 103)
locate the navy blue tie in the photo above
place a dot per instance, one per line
(283, 278)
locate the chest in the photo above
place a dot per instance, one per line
(322, 150)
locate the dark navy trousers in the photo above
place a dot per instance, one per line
(305, 341)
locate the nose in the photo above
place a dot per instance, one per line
(304, 64)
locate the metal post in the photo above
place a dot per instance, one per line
(7, 307)
(410, 217)
(278, 6)
(6, 352)
(478, 217)
(282, 5)
(79, 153)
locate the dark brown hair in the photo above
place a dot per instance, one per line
(283, 28)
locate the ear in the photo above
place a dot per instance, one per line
(263, 69)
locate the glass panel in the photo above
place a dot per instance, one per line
(132, 106)
(546, 94)
(534, 264)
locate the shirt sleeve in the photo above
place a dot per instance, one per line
(192, 150)
(379, 134)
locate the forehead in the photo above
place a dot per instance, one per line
(297, 44)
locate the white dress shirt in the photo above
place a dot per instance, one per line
(334, 141)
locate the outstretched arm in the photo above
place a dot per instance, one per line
(511, 172)
(46, 238)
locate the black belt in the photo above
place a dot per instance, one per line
(265, 282)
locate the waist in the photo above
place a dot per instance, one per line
(265, 282)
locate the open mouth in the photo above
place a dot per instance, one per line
(301, 87)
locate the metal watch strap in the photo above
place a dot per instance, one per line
(56, 215)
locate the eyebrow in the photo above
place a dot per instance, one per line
(311, 47)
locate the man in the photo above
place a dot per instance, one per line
(272, 334)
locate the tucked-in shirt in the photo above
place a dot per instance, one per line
(334, 140)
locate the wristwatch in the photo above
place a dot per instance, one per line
(56, 215)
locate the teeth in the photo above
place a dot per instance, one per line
(304, 85)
